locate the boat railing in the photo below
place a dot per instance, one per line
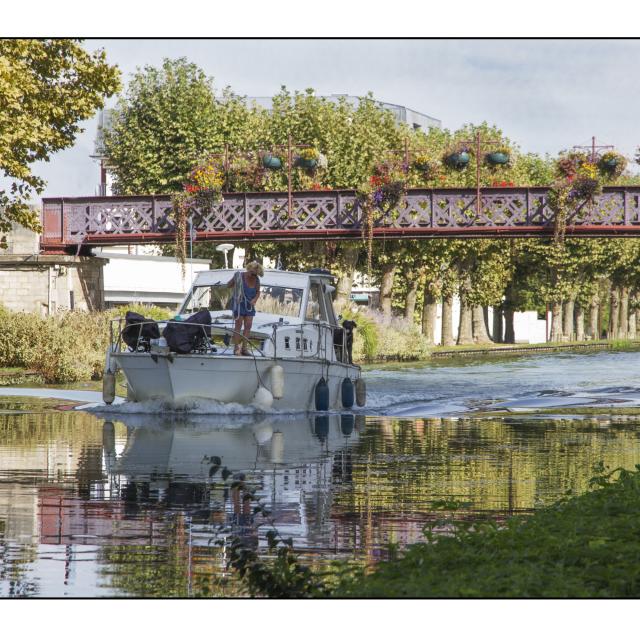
(141, 341)
(324, 348)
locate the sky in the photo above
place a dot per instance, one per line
(545, 95)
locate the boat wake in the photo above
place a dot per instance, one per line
(187, 406)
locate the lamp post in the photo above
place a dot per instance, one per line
(225, 248)
(593, 148)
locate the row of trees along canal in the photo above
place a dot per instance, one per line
(170, 119)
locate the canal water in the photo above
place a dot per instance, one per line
(131, 501)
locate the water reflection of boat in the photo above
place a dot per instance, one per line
(290, 465)
(166, 448)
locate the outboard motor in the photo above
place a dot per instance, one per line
(136, 336)
(184, 337)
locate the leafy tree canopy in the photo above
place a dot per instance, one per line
(47, 89)
(168, 121)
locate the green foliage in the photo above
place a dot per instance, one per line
(376, 339)
(146, 310)
(168, 121)
(64, 348)
(582, 546)
(365, 345)
(48, 87)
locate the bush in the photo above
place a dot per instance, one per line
(379, 339)
(65, 348)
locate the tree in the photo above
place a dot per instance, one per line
(169, 120)
(47, 89)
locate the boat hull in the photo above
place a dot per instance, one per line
(230, 379)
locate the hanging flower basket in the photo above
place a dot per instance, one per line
(612, 164)
(307, 158)
(306, 163)
(584, 187)
(422, 164)
(497, 158)
(269, 161)
(570, 163)
(458, 160)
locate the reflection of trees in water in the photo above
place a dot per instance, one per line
(55, 447)
(355, 494)
(177, 559)
(499, 465)
(14, 566)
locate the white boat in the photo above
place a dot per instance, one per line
(299, 355)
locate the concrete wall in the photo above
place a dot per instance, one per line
(49, 284)
(21, 241)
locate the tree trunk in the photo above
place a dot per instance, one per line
(602, 309)
(447, 321)
(592, 324)
(567, 319)
(349, 260)
(633, 325)
(556, 321)
(497, 333)
(614, 313)
(623, 316)
(479, 325)
(579, 322)
(410, 301)
(429, 314)
(386, 290)
(465, 327)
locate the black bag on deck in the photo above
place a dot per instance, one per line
(184, 337)
(132, 330)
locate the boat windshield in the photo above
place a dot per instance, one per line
(279, 301)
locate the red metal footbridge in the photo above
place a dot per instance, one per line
(74, 224)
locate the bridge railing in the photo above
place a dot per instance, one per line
(130, 219)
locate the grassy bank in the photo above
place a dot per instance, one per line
(584, 546)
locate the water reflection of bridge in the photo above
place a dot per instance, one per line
(336, 215)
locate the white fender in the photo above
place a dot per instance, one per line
(109, 364)
(263, 398)
(262, 433)
(108, 387)
(277, 447)
(277, 381)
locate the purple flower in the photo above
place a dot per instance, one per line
(378, 196)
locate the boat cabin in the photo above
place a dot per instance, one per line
(294, 297)
(294, 314)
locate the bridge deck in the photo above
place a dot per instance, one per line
(504, 212)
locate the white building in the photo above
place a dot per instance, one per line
(402, 114)
(146, 279)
